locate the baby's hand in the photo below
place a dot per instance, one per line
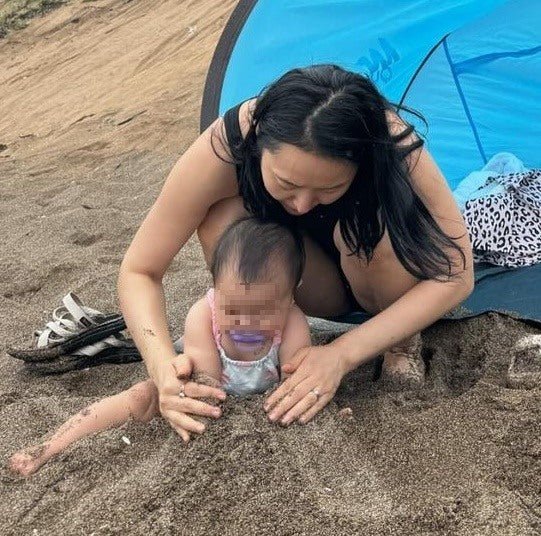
(180, 362)
(183, 365)
(205, 379)
(201, 378)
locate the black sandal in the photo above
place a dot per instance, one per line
(78, 337)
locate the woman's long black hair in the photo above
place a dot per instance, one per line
(335, 113)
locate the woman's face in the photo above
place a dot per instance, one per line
(300, 180)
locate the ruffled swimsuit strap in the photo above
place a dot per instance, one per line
(212, 305)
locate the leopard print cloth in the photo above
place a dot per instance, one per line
(505, 228)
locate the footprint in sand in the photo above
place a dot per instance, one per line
(81, 238)
(28, 282)
(47, 196)
(8, 398)
(96, 146)
(524, 371)
(21, 290)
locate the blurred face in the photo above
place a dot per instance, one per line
(255, 307)
(300, 180)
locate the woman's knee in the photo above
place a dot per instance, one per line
(376, 284)
(322, 292)
(219, 217)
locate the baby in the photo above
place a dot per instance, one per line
(239, 334)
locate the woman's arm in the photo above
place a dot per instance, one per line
(198, 180)
(322, 368)
(428, 300)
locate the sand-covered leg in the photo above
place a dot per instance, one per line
(403, 365)
(140, 402)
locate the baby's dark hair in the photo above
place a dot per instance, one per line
(251, 243)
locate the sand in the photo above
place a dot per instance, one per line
(97, 101)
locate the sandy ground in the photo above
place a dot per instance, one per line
(97, 101)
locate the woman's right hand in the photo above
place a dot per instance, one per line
(171, 380)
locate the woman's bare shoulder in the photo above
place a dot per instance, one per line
(397, 125)
(245, 115)
(217, 131)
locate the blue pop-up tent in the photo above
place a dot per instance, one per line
(471, 67)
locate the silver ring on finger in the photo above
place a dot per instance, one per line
(316, 392)
(182, 393)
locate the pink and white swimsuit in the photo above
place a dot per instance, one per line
(243, 378)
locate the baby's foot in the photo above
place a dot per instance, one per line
(403, 365)
(28, 461)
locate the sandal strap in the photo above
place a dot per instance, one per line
(93, 349)
(59, 313)
(42, 338)
(85, 316)
(59, 329)
(56, 333)
(68, 320)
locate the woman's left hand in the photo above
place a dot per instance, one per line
(316, 374)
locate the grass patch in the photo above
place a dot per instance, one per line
(15, 14)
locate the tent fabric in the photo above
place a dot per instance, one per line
(471, 67)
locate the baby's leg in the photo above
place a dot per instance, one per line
(140, 402)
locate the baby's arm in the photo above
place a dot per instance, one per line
(296, 335)
(199, 343)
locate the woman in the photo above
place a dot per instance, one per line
(321, 149)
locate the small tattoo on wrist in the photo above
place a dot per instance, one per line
(149, 332)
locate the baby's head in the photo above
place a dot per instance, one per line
(255, 267)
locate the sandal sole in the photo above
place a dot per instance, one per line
(113, 324)
(68, 363)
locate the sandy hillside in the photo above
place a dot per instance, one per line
(97, 101)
